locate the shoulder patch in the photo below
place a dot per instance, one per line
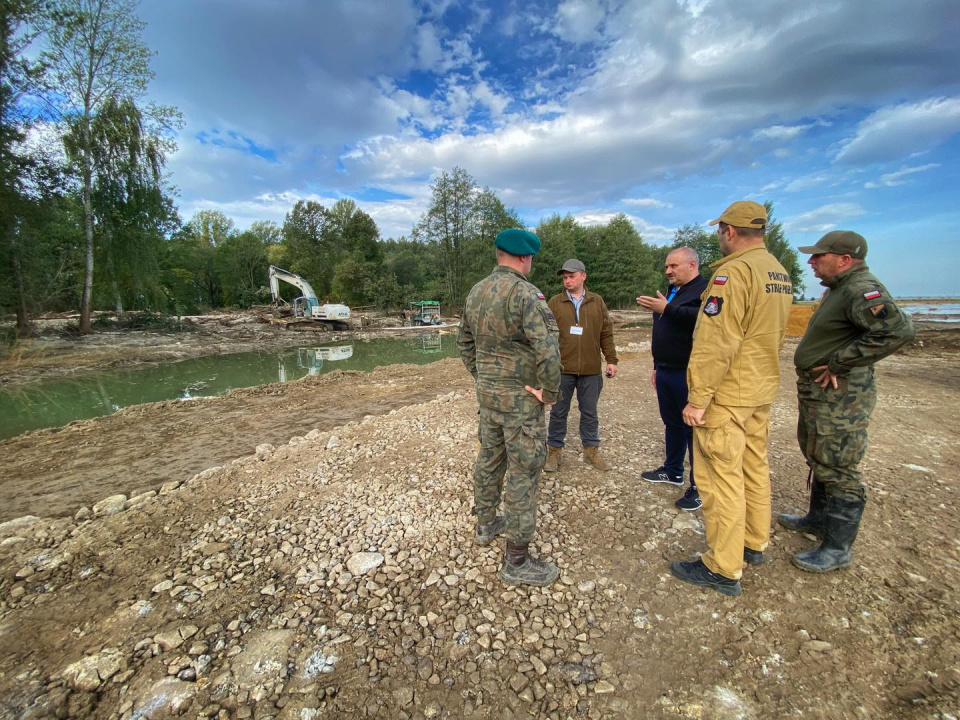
(872, 295)
(879, 311)
(720, 280)
(713, 306)
(540, 295)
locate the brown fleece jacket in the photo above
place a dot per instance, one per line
(580, 354)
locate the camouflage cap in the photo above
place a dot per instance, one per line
(745, 214)
(517, 242)
(839, 242)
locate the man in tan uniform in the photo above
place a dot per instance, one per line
(733, 377)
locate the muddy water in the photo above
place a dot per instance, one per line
(55, 403)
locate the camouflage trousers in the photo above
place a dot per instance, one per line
(832, 429)
(512, 453)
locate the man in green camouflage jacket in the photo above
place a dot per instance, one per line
(509, 342)
(856, 324)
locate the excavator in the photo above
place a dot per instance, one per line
(307, 310)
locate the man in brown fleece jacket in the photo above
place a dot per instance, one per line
(585, 332)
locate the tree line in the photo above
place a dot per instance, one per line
(89, 218)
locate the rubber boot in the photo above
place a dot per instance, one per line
(812, 522)
(841, 520)
(487, 532)
(554, 459)
(521, 568)
(592, 456)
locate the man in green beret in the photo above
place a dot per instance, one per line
(508, 341)
(856, 324)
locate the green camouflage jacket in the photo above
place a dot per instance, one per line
(856, 324)
(508, 339)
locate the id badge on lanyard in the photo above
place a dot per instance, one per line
(576, 330)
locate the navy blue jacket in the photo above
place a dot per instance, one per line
(673, 331)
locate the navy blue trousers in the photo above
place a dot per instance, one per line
(678, 436)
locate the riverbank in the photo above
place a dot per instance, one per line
(242, 588)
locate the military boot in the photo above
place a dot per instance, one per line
(487, 532)
(812, 522)
(554, 459)
(521, 568)
(841, 521)
(592, 456)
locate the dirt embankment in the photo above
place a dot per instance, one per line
(333, 574)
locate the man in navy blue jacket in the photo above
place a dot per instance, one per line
(674, 318)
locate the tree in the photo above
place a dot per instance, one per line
(780, 248)
(192, 269)
(559, 239)
(18, 20)
(241, 262)
(132, 212)
(619, 264)
(94, 53)
(311, 244)
(449, 225)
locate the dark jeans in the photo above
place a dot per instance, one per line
(588, 389)
(672, 396)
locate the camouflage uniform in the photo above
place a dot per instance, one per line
(856, 325)
(508, 339)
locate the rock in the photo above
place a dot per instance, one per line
(92, 671)
(264, 451)
(363, 562)
(586, 586)
(110, 505)
(166, 698)
(12, 527)
(264, 659)
(333, 442)
(816, 646)
(603, 688)
(687, 521)
(169, 487)
(404, 696)
(518, 681)
(162, 586)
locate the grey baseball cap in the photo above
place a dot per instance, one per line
(572, 265)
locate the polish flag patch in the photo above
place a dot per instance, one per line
(720, 280)
(872, 295)
(540, 295)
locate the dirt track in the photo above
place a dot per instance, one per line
(618, 637)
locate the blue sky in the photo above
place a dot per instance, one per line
(843, 114)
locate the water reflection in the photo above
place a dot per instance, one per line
(53, 403)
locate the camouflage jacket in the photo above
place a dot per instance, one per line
(508, 339)
(856, 324)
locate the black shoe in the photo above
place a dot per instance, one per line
(753, 557)
(691, 500)
(696, 573)
(662, 476)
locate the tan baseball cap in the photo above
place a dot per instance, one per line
(839, 242)
(745, 214)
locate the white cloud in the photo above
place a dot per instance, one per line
(578, 21)
(823, 218)
(895, 179)
(647, 202)
(650, 232)
(781, 133)
(901, 130)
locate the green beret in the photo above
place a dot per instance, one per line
(518, 242)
